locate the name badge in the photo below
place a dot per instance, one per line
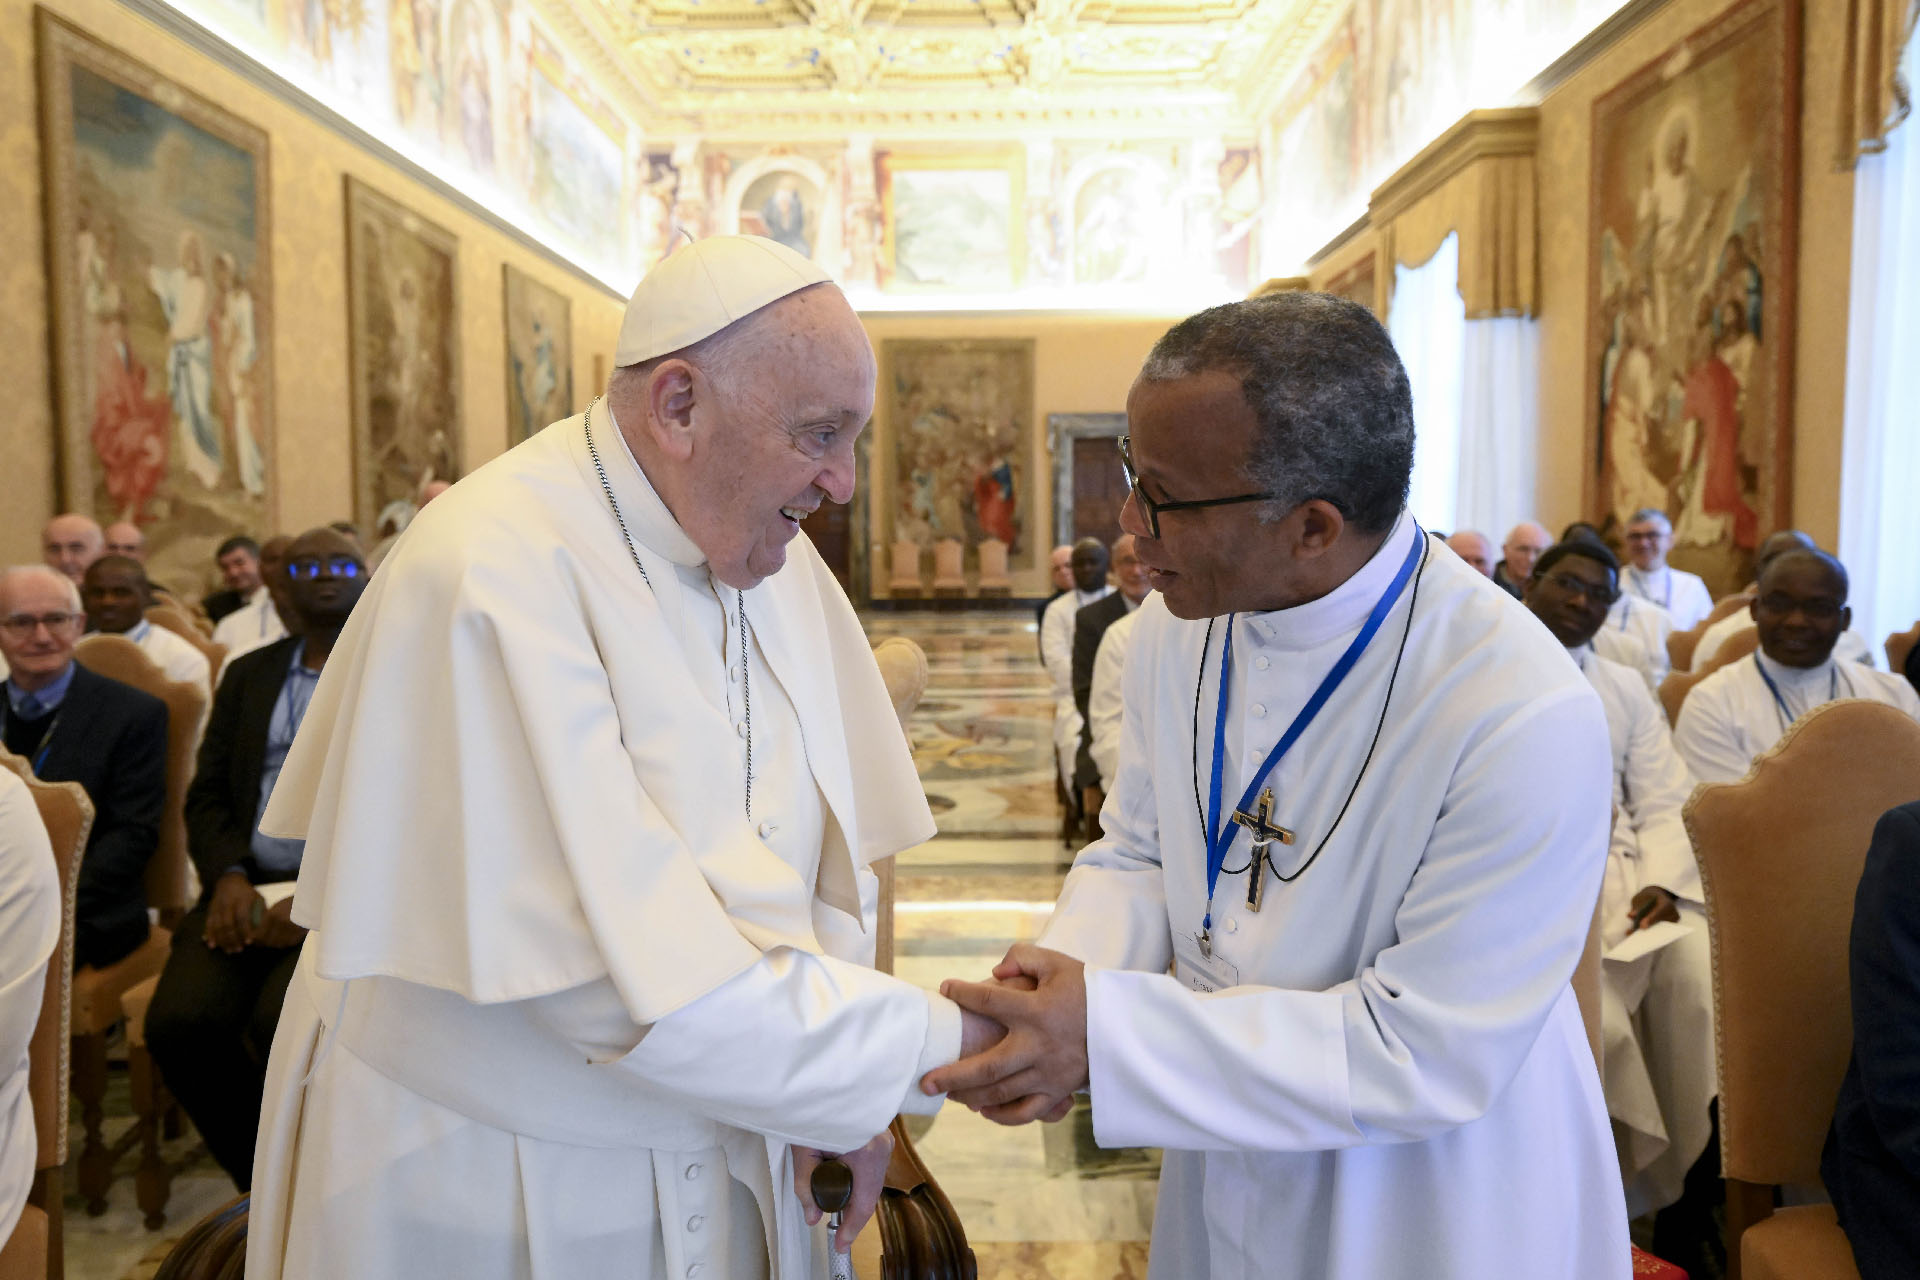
(1199, 972)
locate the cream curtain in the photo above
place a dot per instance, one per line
(1875, 93)
(1428, 325)
(1500, 416)
(1880, 452)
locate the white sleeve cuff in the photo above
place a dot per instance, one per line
(942, 1047)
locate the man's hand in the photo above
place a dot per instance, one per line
(869, 1165)
(230, 912)
(1652, 905)
(278, 928)
(1033, 1072)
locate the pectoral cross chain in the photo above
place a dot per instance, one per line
(1259, 825)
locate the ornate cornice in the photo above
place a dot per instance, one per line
(1502, 131)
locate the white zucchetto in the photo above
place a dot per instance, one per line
(700, 289)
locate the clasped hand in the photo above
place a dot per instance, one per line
(232, 925)
(1031, 1073)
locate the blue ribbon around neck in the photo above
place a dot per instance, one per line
(1780, 703)
(1220, 838)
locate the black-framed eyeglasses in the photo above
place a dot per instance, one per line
(1151, 509)
(337, 566)
(22, 625)
(1571, 586)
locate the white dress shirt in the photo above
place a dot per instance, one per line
(1684, 596)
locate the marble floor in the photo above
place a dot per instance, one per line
(1038, 1202)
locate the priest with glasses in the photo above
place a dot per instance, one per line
(1322, 953)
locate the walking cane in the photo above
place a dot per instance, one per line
(832, 1185)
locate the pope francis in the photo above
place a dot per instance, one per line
(590, 789)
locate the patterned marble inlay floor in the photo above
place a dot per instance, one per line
(1043, 1200)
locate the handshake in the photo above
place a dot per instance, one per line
(1023, 1039)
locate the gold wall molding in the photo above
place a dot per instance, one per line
(1874, 98)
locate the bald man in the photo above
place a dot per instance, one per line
(1475, 549)
(70, 543)
(124, 538)
(1741, 710)
(1518, 553)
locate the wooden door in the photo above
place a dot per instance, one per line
(1099, 488)
(831, 529)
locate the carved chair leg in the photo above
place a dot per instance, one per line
(90, 1087)
(46, 1195)
(1748, 1204)
(153, 1180)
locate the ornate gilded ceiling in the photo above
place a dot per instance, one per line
(717, 67)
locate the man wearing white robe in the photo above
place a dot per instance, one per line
(1089, 566)
(29, 932)
(1635, 636)
(1851, 647)
(1107, 701)
(590, 787)
(1657, 1007)
(1736, 714)
(1383, 1071)
(116, 595)
(1682, 596)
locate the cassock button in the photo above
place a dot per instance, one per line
(741, 729)
(1259, 708)
(1261, 663)
(1233, 926)
(693, 1171)
(695, 1269)
(733, 674)
(695, 1222)
(767, 829)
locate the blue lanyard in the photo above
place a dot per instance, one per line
(1780, 703)
(1626, 610)
(1218, 844)
(1667, 603)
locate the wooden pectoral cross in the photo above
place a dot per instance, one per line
(1259, 825)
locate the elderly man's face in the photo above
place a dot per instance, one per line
(1191, 438)
(1062, 567)
(1523, 546)
(776, 440)
(1648, 542)
(38, 627)
(115, 594)
(71, 543)
(240, 570)
(124, 539)
(1129, 570)
(1474, 549)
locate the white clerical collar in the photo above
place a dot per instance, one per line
(1343, 609)
(1582, 656)
(1796, 677)
(647, 516)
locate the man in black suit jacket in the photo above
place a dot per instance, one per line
(239, 561)
(72, 725)
(1089, 627)
(1871, 1164)
(213, 1015)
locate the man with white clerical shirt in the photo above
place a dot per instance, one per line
(1361, 810)
(590, 787)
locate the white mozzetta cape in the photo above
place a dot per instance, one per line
(527, 850)
(1392, 1081)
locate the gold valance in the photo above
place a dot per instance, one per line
(1873, 97)
(1476, 179)
(1280, 284)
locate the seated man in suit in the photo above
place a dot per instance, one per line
(1089, 627)
(75, 726)
(117, 595)
(1871, 1164)
(1742, 709)
(212, 1018)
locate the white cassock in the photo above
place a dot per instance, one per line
(176, 657)
(29, 931)
(1106, 701)
(1393, 1079)
(1649, 626)
(1730, 718)
(1682, 595)
(1657, 1059)
(252, 625)
(1851, 647)
(1056, 655)
(566, 1005)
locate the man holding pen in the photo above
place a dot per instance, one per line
(1657, 996)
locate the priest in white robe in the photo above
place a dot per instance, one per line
(1851, 647)
(1657, 977)
(1106, 702)
(1088, 562)
(1736, 714)
(116, 595)
(29, 934)
(1367, 1060)
(590, 789)
(1682, 596)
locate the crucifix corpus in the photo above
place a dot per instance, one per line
(1259, 825)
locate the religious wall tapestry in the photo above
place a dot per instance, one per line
(1691, 276)
(960, 414)
(539, 356)
(952, 223)
(162, 330)
(404, 330)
